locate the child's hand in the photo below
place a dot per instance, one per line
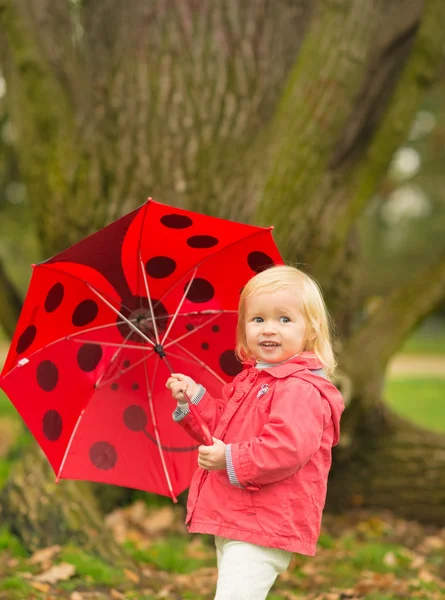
(178, 383)
(212, 458)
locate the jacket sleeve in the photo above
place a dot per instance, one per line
(210, 409)
(286, 443)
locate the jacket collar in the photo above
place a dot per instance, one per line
(305, 360)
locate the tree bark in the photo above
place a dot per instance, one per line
(338, 124)
(387, 462)
(42, 514)
(10, 302)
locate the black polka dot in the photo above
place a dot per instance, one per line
(89, 356)
(201, 290)
(159, 267)
(52, 425)
(258, 261)
(215, 328)
(47, 375)
(135, 386)
(85, 313)
(103, 455)
(135, 418)
(229, 363)
(26, 339)
(205, 346)
(126, 364)
(175, 221)
(114, 386)
(202, 241)
(54, 297)
(189, 327)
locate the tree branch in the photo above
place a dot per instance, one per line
(368, 351)
(330, 147)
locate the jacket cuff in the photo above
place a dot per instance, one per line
(230, 468)
(242, 466)
(183, 410)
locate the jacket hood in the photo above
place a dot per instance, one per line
(301, 366)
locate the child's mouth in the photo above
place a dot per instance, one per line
(269, 344)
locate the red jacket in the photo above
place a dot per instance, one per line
(281, 423)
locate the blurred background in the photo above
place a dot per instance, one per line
(325, 119)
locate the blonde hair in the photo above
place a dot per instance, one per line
(319, 323)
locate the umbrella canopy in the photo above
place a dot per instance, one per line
(84, 369)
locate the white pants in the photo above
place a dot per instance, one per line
(247, 571)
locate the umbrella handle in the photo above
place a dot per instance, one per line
(208, 440)
(197, 415)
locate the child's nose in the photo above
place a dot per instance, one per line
(269, 327)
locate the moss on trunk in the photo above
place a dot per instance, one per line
(42, 513)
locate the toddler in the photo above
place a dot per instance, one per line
(260, 488)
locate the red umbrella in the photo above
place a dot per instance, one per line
(105, 322)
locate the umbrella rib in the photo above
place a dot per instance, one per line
(179, 305)
(202, 364)
(158, 439)
(113, 358)
(138, 331)
(186, 335)
(90, 329)
(111, 344)
(155, 327)
(124, 371)
(68, 446)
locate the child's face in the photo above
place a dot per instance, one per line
(275, 325)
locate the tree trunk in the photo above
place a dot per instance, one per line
(10, 302)
(383, 460)
(390, 463)
(42, 514)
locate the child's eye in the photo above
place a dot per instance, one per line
(257, 319)
(285, 319)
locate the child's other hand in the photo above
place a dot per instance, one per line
(212, 458)
(178, 383)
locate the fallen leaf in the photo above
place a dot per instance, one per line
(116, 594)
(60, 572)
(390, 559)
(159, 520)
(44, 554)
(41, 587)
(12, 562)
(131, 575)
(433, 543)
(24, 575)
(425, 575)
(76, 596)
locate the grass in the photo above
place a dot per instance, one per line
(172, 555)
(7, 409)
(91, 568)
(429, 338)
(421, 400)
(9, 542)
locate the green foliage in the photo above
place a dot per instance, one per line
(326, 541)
(7, 409)
(170, 554)
(420, 400)
(9, 542)
(371, 556)
(18, 587)
(5, 466)
(91, 568)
